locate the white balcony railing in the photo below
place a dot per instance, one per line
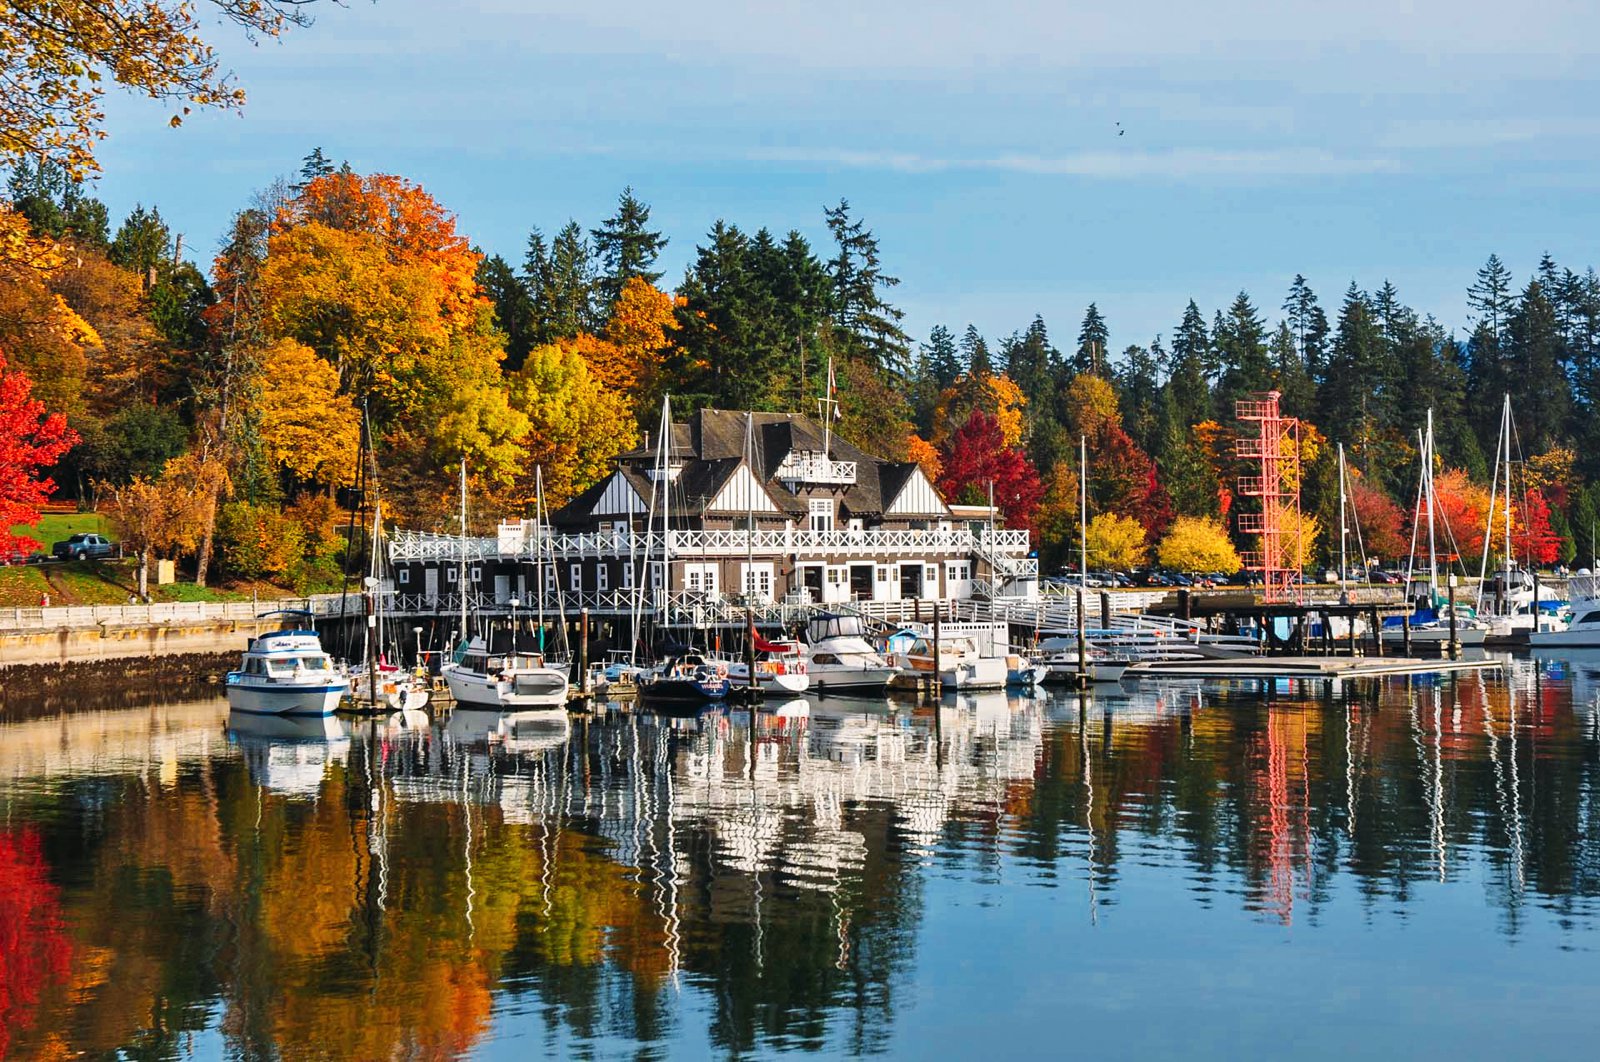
(814, 468)
(1013, 545)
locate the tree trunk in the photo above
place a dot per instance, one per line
(202, 560)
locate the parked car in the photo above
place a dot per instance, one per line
(83, 546)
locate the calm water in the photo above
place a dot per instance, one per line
(1183, 870)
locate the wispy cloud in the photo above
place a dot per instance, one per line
(1176, 164)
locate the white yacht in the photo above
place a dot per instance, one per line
(839, 659)
(780, 668)
(395, 689)
(286, 673)
(511, 680)
(1583, 632)
(959, 663)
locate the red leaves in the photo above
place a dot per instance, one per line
(34, 951)
(30, 440)
(977, 455)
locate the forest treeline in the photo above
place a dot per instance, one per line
(216, 409)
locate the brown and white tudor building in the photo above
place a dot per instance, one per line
(807, 517)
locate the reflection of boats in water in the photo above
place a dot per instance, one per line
(514, 731)
(289, 754)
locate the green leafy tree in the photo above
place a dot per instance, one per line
(626, 247)
(866, 324)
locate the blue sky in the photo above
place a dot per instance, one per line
(1360, 141)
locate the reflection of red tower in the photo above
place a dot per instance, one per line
(1276, 449)
(1288, 825)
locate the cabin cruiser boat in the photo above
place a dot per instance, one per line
(959, 664)
(1583, 630)
(839, 659)
(684, 678)
(286, 673)
(396, 688)
(510, 680)
(780, 668)
(1099, 665)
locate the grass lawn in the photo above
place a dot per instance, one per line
(53, 527)
(95, 583)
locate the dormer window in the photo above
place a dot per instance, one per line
(822, 514)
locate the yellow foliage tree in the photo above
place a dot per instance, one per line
(576, 426)
(1297, 540)
(1197, 544)
(1115, 541)
(308, 426)
(56, 59)
(154, 517)
(39, 332)
(925, 454)
(1090, 403)
(479, 423)
(636, 337)
(1056, 520)
(998, 396)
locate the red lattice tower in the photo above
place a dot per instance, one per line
(1276, 451)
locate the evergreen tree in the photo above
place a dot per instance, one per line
(1240, 340)
(513, 308)
(975, 353)
(626, 247)
(867, 325)
(1139, 394)
(942, 358)
(568, 298)
(55, 204)
(1539, 389)
(142, 243)
(1309, 324)
(1092, 336)
(1490, 296)
(1031, 362)
(314, 165)
(1289, 374)
(1351, 411)
(1188, 393)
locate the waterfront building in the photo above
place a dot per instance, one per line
(705, 526)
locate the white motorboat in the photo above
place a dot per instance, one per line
(780, 668)
(839, 659)
(1025, 672)
(959, 664)
(1063, 668)
(286, 673)
(1583, 631)
(511, 680)
(396, 689)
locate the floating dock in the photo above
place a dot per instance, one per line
(1307, 667)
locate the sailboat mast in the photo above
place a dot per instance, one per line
(538, 546)
(1427, 466)
(1505, 431)
(461, 567)
(1083, 515)
(1344, 524)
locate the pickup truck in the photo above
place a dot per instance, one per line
(82, 547)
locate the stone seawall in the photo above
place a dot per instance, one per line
(112, 641)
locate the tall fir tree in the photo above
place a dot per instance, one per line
(1240, 340)
(513, 308)
(975, 352)
(1539, 389)
(1188, 392)
(942, 356)
(1092, 336)
(867, 324)
(626, 247)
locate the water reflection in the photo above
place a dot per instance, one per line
(173, 880)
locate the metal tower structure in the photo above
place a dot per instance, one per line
(1275, 448)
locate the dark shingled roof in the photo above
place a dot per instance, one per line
(710, 446)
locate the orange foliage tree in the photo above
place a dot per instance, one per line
(997, 396)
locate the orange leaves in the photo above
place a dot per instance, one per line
(997, 396)
(925, 454)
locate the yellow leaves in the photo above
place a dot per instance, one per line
(1550, 469)
(998, 396)
(636, 338)
(307, 425)
(926, 455)
(1115, 541)
(1197, 544)
(577, 426)
(1090, 405)
(479, 424)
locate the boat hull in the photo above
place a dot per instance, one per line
(285, 699)
(850, 681)
(522, 691)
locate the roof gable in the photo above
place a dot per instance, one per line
(915, 496)
(742, 494)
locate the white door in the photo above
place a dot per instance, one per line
(502, 589)
(430, 584)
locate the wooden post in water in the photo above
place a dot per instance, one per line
(1083, 643)
(1405, 632)
(935, 681)
(1455, 646)
(583, 651)
(1377, 633)
(1105, 610)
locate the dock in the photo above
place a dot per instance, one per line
(1307, 667)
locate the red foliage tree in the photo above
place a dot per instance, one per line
(1123, 480)
(1381, 523)
(34, 951)
(1531, 535)
(977, 455)
(30, 439)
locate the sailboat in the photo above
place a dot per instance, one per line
(1512, 611)
(1430, 626)
(378, 683)
(684, 676)
(481, 676)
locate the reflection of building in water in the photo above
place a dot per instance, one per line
(75, 744)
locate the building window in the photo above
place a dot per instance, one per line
(822, 514)
(655, 575)
(627, 575)
(403, 576)
(602, 576)
(758, 581)
(930, 580)
(701, 577)
(475, 574)
(575, 577)
(958, 571)
(450, 574)
(550, 579)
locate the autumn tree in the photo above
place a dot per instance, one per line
(995, 395)
(978, 456)
(1377, 520)
(1197, 544)
(308, 426)
(31, 440)
(57, 58)
(576, 427)
(1115, 541)
(628, 360)
(157, 516)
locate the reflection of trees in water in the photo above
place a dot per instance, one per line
(374, 894)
